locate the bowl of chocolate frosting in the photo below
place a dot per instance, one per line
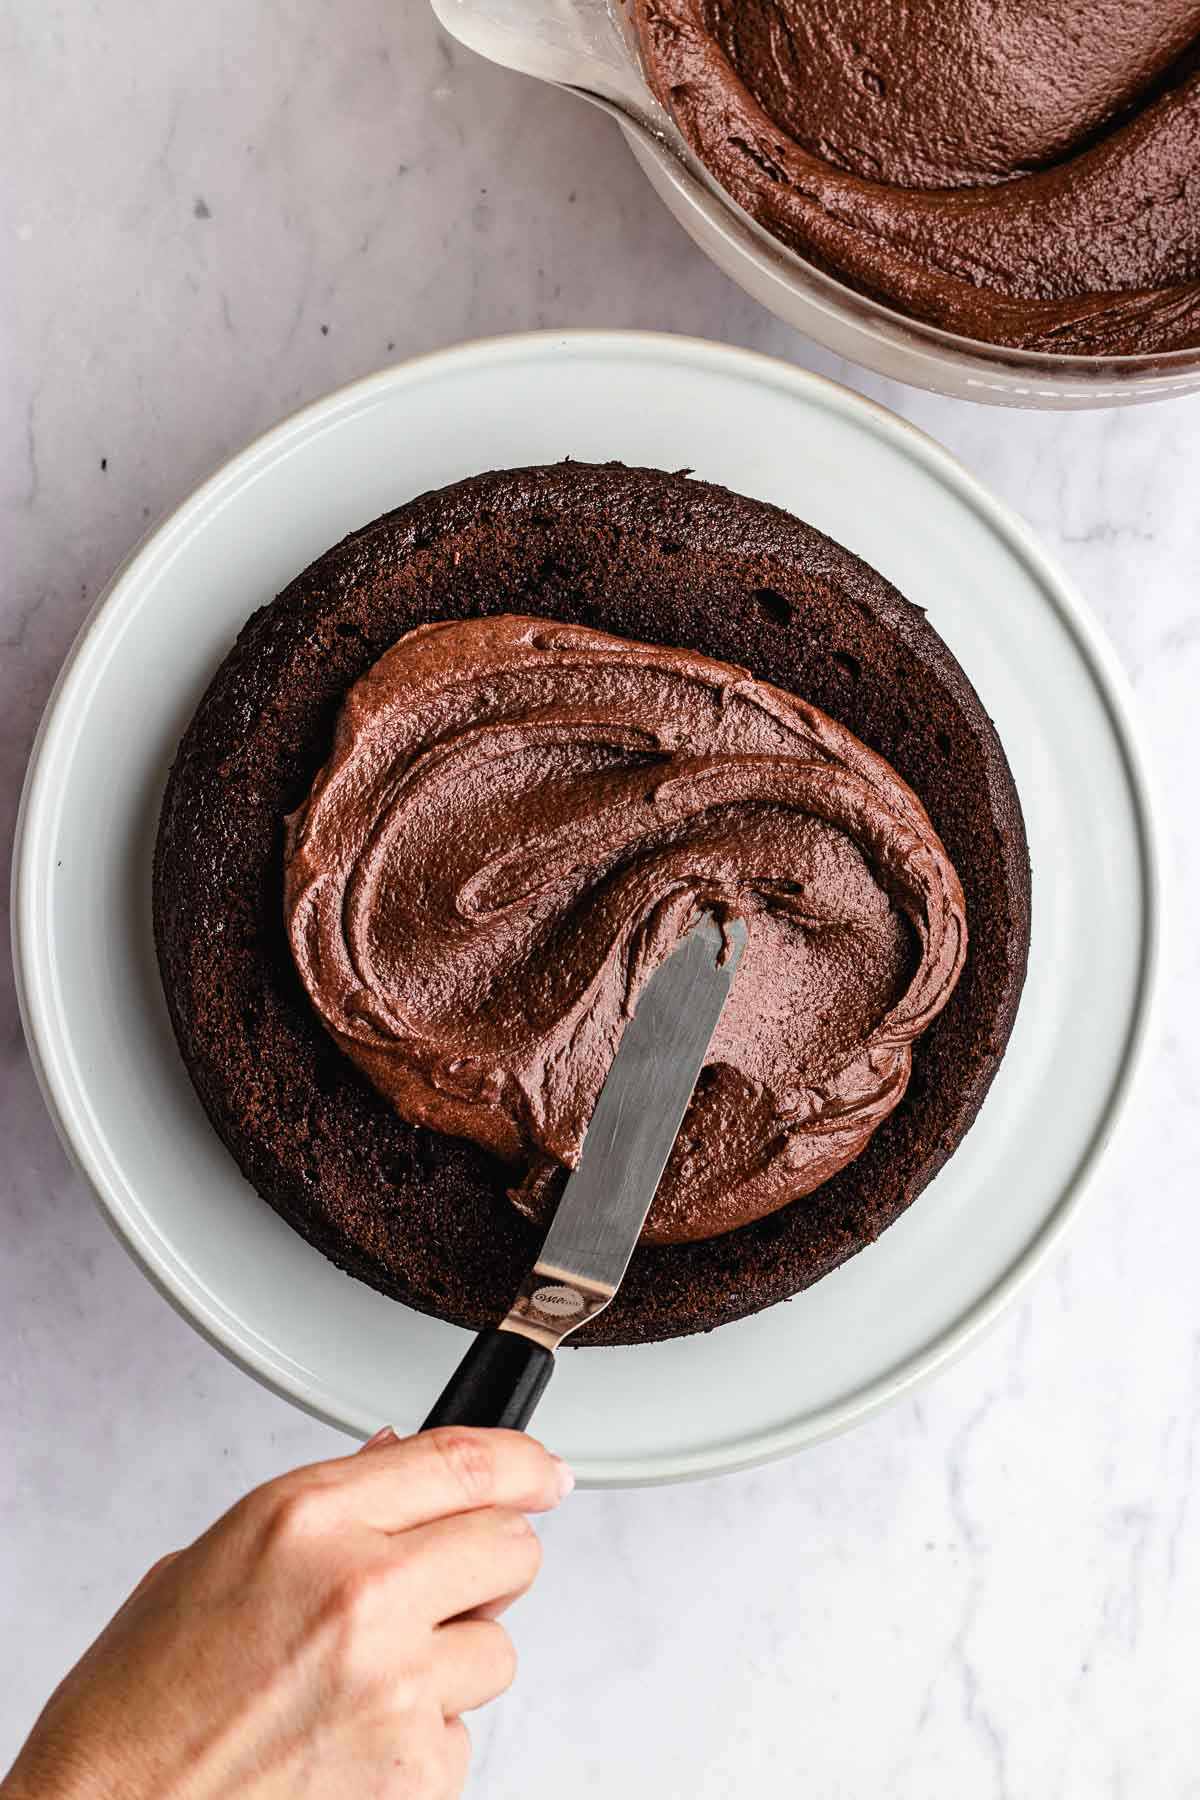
(1000, 203)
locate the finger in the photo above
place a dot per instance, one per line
(467, 1560)
(458, 1755)
(385, 1435)
(473, 1662)
(493, 1609)
(452, 1470)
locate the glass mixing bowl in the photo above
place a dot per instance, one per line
(588, 47)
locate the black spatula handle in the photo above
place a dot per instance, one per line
(498, 1382)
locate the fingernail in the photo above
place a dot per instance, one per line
(385, 1435)
(564, 1476)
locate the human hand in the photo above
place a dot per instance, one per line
(322, 1639)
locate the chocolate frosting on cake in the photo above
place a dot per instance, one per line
(518, 821)
(1023, 175)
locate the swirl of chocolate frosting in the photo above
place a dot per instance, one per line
(518, 821)
(1025, 175)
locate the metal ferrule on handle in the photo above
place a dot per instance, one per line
(505, 1372)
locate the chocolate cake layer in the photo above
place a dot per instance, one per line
(666, 561)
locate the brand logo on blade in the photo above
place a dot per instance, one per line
(557, 1302)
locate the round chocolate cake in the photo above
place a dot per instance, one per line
(282, 1012)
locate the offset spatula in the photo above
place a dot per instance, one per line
(604, 1204)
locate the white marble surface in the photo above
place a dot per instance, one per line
(210, 215)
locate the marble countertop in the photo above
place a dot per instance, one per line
(991, 1590)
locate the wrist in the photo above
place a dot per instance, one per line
(37, 1776)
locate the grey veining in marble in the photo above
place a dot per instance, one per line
(210, 215)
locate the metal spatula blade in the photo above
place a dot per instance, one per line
(604, 1204)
